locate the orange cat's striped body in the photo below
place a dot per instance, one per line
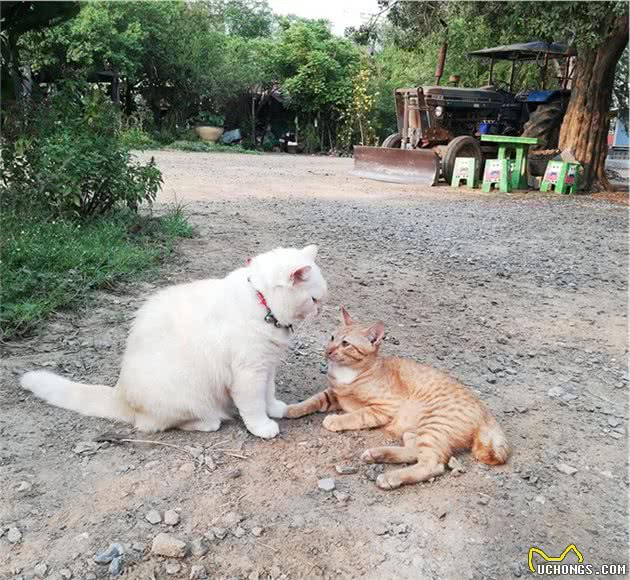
(434, 414)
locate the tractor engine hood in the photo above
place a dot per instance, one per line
(460, 98)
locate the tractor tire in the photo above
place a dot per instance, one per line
(462, 146)
(392, 142)
(544, 124)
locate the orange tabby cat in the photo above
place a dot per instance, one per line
(433, 413)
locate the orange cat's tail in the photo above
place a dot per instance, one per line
(490, 443)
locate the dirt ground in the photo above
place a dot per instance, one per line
(522, 297)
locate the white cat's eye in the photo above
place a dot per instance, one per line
(332, 338)
(314, 299)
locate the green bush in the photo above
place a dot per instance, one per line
(208, 119)
(71, 160)
(136, 138)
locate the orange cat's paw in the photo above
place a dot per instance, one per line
(332, 423)
(387, 482)
(368, 457)
(293, 412)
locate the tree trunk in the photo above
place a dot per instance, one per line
(254, 120)
(585, 127)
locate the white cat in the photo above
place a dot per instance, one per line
(196, 349)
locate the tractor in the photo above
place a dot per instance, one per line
(437, 124)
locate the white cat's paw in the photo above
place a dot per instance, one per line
(277, 409)
(266, 429)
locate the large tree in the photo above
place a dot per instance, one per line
(17, 18)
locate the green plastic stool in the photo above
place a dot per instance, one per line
(465, 170)
(496, 173)
(560, 176)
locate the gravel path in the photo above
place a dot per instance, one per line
(523, 298)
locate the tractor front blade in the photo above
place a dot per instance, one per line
(418, 166)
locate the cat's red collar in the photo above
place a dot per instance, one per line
(270, 317)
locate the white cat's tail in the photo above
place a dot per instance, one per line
(93, 400)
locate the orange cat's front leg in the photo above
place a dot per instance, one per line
(321, 402)
(366, 418)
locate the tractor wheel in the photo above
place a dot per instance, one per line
(392, 142)
(544, 124)
(462, 146)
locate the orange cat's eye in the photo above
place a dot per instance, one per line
(345, 343)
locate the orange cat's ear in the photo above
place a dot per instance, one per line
(376, 332)
(300, 275)
(345, 316)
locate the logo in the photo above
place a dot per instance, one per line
(560, 558)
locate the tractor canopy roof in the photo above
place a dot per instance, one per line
(525, 51)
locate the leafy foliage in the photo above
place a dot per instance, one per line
(72, 161)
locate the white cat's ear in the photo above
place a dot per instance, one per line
(310, 252)
(345, 316)
(300, 275)
(376, 332)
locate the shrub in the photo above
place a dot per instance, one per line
(207, 147)
(72, 161)
(136, 138)
(208, 119)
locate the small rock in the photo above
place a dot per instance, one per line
(195, 451)
(231, 519)
(219, 533)
(483, 500)
(26, 486)
(198, 547)
(373, 471)
(516, 569)
(345, 469)
(341, 496)
(238, 532)
(41, 569)
(187, 468)
(114, 551)
(172, 568)
(607, 474)
(400, 529)
(198, 573)
(380, 529)
(116, 566)
(612, 421)
(566, 469)
(86, 448)
(456, 466)
(169, 546)
(327, 484)
(257, 531)
(153, 517)
(171, 518)
(90, 576)
(555, 392)
(139, 547)
(65, 573)
(235, 474)
(441, 514)
(494, 367)
(491, 380)
(210, 464)
(14, 535)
